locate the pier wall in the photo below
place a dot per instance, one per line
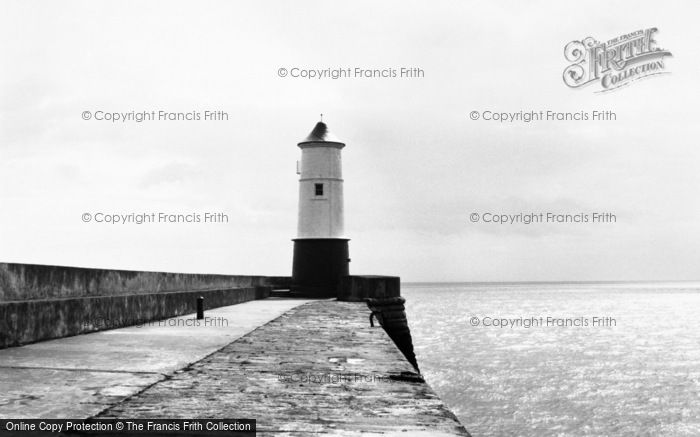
(39, 302)
(359, 288)
(383, 297)
(34, 281)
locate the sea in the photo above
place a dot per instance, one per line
(562, 359)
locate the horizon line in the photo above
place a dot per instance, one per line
(622, 281)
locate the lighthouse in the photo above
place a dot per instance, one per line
(320, 249)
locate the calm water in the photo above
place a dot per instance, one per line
(640, 376)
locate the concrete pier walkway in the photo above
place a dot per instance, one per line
(77, 377)
(317, 369)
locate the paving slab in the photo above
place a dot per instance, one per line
(77, 377)
(317, 369)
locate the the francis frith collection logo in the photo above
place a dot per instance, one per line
(614, 63)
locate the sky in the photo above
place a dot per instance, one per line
(415, 166)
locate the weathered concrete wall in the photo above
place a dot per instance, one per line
(32, 281)
(39, 302)
(28, 321)
(357, 288)
(279, 282)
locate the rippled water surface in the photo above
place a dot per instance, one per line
(637, 376)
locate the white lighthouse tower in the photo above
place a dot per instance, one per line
(320, 249)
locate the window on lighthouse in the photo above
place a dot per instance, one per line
(318, 189)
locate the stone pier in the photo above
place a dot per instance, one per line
(317, 369)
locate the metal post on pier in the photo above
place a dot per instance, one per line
(200, 307)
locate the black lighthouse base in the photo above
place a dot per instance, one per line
(319, 265)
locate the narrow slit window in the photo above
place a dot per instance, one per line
(318, 189)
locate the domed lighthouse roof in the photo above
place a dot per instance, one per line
(321, 134)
